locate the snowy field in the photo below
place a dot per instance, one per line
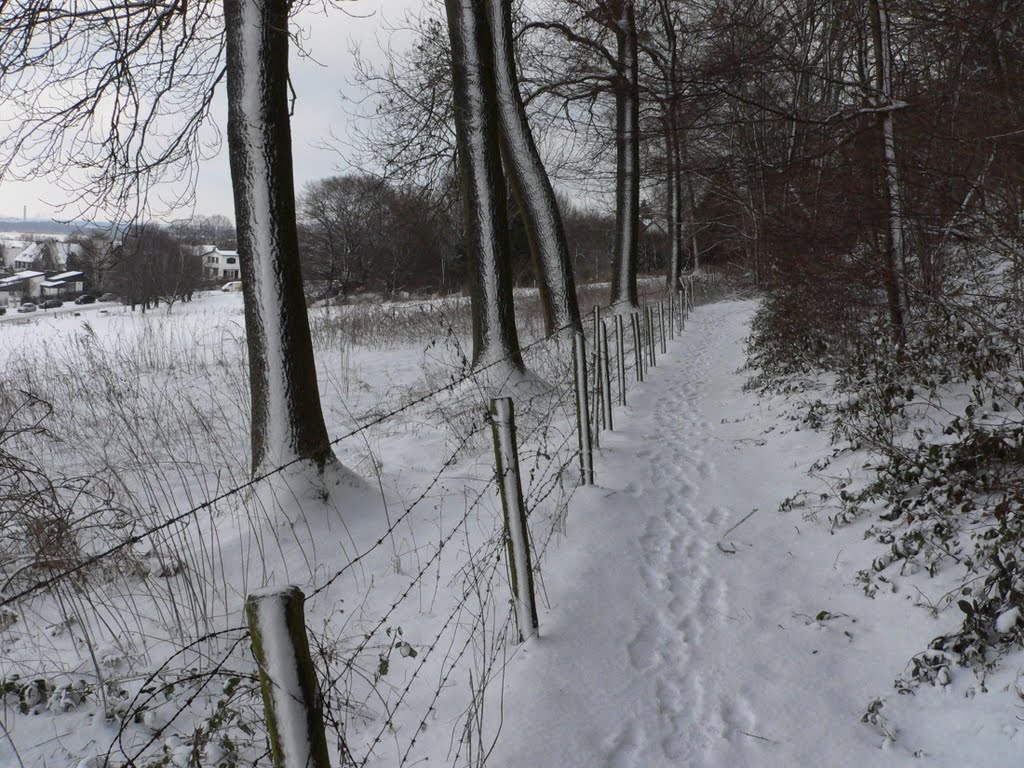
(684, 619)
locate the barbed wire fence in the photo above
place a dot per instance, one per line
(408, 657)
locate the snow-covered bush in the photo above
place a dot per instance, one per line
(941, 421)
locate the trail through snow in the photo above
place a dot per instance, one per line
(661, 648)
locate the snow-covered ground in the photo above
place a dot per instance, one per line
(684, 620)
(693, 624)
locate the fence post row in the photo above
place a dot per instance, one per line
(520, 565)
(606, 376)
(579, 369)
(620, 354)
(291, 695)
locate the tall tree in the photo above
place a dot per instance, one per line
(483, 185)
(530, 183)
(287, 421)
(621, 16)
(885, 104)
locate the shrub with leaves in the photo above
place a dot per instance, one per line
(940, 419)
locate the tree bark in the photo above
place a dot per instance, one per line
(483, 186)
(893, 257)
(673, 205)
(287, 422)
(627, 156)
(530, 183)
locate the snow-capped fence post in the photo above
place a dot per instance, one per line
(671, 314)
(606, 377)
(291, 694)
(661, 327)
(620, 355)
(579, 369)
(520, 567)
(638, 353)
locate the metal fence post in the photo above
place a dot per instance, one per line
(634, 321)
(596, 384)
(661, 327)
(620, 354)
(671, 314)
(520, 566)
(606, 376)
(650, 338)
(579, 367)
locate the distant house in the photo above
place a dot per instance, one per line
(63, 284)
(217, 264)
(28, 256)
(20, 284)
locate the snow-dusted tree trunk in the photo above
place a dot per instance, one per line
(530, 183)
(483, 186)
(627, 156)
(893, 271)
(287, 422)
(694, 244)
(671, 89)
(673, 205)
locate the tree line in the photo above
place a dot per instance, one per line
(794, 139)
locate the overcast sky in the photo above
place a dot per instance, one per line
(320, 108)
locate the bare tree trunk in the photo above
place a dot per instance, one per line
(627, 156)
(287, 422)
(893, 265)
(673, 205)
(483, 187)
(694, 244)
(530, 183)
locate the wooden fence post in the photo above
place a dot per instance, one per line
(671, 314)
(638, 353)
(520, 566)
(620, 354)
(291, 695)
(606, 377)
(579, 368)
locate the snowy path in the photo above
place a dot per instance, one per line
(660, 649)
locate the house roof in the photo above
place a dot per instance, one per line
(30, 254)
(63, 276)
(18, 277)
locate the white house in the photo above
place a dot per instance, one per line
(217, 264)
(63, 284)
(25, 283)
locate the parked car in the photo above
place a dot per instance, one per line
(108, 297)
(28, 306)
(233, 286)
(85, 298)
(52, 303)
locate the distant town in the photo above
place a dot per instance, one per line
(47, 261)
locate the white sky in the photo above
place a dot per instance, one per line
(319, 109)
